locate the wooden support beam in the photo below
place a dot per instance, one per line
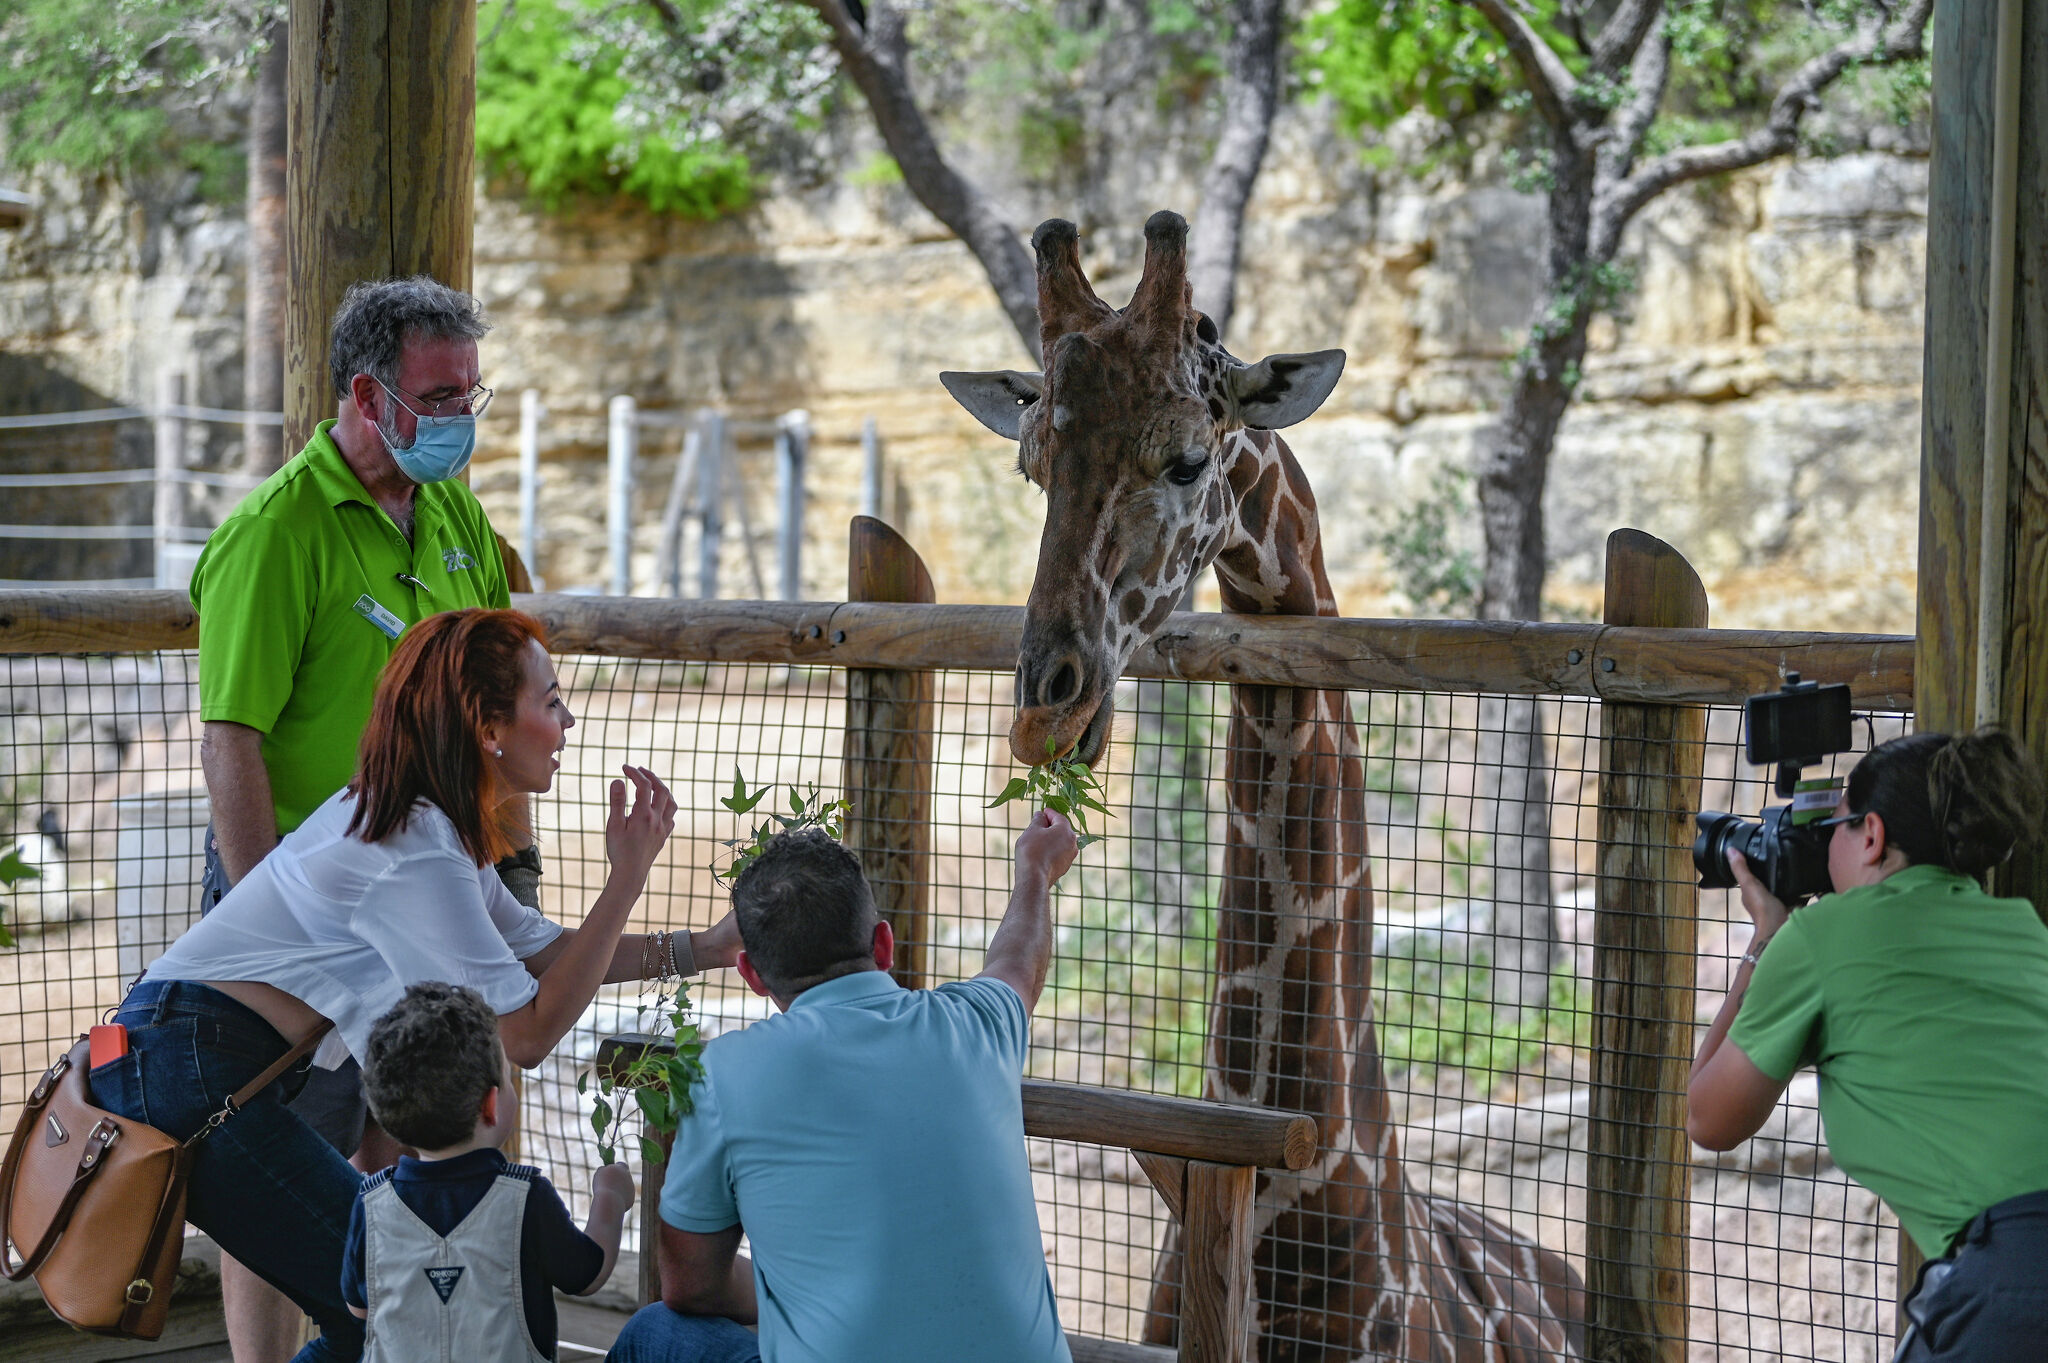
(1638, 1162)
(1169, 1177)
(1189, 1128)
(1216, 1307)
(1983, 575)
(380, 110)
(890, 719)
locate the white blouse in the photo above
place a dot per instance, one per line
(345, 925)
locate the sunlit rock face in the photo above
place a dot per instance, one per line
(1758, 406)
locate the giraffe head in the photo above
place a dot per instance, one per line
(1132, 433)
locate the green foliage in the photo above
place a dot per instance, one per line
(659, 1081)
(1066, 787)
(551, 115)
(1436, 1014)
(122, 87)
(1438, 579)
(807, 809)
(1378, 61)
(13, 870)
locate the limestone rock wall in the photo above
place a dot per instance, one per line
(1758, 407)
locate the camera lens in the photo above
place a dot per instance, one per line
(1719, 832)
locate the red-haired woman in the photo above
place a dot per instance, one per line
(387, 884)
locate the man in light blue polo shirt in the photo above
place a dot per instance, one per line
(868, 1140)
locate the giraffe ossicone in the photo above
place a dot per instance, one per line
(1155, 449)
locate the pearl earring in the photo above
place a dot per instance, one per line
(497, 752)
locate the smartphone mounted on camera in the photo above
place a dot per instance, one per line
(1800, 724)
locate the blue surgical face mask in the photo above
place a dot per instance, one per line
(438, 451)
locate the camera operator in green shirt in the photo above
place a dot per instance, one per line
(1922, 1002)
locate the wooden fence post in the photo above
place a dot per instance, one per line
(380, 100)
(170, 469)
(1638, 1161)
(1216, 1287)
(888, 769)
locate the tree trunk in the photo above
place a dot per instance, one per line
(1251, 92)
(1514, 466)
(263, 301)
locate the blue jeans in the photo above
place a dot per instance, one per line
(264, 1186)
(658, 1335)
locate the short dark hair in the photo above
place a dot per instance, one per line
(1962, 801)
(377, 317)
(805, 912)
(430, 1062)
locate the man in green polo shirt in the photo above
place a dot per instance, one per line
(303, 593)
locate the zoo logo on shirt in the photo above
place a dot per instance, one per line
(455, 560)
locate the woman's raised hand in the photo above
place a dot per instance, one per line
(633, 836)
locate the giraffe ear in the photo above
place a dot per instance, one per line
(1283, 389)
(998, 398)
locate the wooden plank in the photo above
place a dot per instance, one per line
(1088, 1349)
(890, 719)
(1653, 666)
(1187, 1127)
(131, 621)
(1169, 1179)
(2023, 688)
(1216, 1307)
(381, 123)
(1638, 1163)
(1515, 657)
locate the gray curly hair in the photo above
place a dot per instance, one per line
(377, 317)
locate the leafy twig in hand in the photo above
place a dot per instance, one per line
(1062, 785)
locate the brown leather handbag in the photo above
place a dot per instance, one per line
(98, 1200)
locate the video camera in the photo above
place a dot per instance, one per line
(1795, 726)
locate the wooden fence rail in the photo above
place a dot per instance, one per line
(1607, 662)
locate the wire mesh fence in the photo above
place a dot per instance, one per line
(1487, 1077)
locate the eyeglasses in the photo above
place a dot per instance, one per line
(1835, 819)
(444, 410)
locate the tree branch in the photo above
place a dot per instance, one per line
(1251, 94)
(1550, 81)
(878, 61)
(1624, 33)
(1876, 44)
(1648, 74)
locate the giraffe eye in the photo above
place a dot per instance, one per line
(1186, 469)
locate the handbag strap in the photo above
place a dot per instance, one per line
(10, 1171)
(242, 1095)
(90, 1160)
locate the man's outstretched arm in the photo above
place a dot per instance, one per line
(1021, 951)
(706, 1275)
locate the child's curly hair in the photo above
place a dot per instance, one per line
(431, 1060)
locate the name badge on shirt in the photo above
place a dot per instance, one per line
(367, 607)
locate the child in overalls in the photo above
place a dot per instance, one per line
(445, 1244)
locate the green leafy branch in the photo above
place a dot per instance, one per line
(658, 1080)
(807, 809)
(13, 870)
(1063, 785)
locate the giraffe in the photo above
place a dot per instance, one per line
(1155, 450)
